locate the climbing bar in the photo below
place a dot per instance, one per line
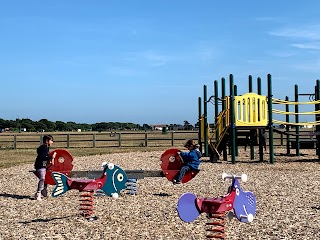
(294, 113)
(279, 101)
(297, 124)
(309, 134)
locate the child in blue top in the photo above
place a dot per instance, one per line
(191, 160)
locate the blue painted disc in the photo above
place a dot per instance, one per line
(187, 208)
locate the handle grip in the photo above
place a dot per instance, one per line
(243, 177)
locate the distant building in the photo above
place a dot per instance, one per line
(158, 126)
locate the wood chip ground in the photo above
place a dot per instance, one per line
(287, 193)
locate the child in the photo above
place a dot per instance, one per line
(41, 163)
(191, 160)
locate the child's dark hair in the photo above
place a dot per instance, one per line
(46, 138)
(190, 143)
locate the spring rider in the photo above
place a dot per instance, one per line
(243, 204)
(171, 164)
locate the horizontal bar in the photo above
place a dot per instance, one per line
(306, 94)
(137, 174)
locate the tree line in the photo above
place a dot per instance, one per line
(29, 125)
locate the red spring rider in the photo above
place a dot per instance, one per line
(243, 204)
(171, 164)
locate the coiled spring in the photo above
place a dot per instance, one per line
(215, 226)
(132, 186)
(86, 203)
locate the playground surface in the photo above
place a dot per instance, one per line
(287, 193)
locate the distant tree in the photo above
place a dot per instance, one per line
(71, 126)
(102, 126)
(3, 123)
(50, 126)
(28, 124)
(60, 126)
(146, 127)
(85, 127)
(40, 126)
(187, 125)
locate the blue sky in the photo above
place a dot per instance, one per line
(147, 61)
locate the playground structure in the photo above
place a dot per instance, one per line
(243, 119)
(242, 203)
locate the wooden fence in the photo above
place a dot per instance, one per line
(114, 139)
(98, 139)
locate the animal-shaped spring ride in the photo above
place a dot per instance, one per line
(243, 204)
(111, 181)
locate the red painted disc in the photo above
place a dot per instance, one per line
(62, 163)
(172, 163)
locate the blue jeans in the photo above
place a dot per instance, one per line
(182, 172)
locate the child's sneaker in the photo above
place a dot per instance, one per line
(176, 182)
(44, 192)
(37, 196)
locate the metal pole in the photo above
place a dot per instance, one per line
(296, 110)
(271, 148)
(232, 121)
(287, 126)
(205, 119)
(235, 89)
(260, 130)
(317, 98)
(216, 107)
(223, 95)
(199, 122)
(224, 106)
(251, 135)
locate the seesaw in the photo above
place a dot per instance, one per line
(242, 203)
(171, 164)
(59, 173)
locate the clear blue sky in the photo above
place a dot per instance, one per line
(147, 61)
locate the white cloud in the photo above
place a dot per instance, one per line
(151, 58)
(267, 19)
(310, 32)
(281, 54)
(313, 46)
(122, 71)
(155, 59)
(312, 66)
